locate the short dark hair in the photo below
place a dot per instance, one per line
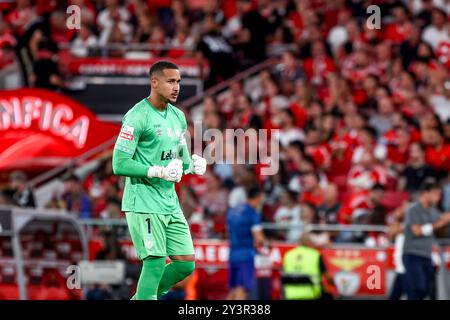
(113, 200)
(429, 184)
(159, 66)
(371, 131)
(253, 192)
(378, 187)
(71, 177)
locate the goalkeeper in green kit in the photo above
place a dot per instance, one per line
(151, 151)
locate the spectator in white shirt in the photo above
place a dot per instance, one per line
(438, 31)
(288, 132)
(290, 213)
(114, 26)
(84, 41)
(105, 17)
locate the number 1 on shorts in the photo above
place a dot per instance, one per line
(149, 225)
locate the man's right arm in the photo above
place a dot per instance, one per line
(424, 230)
(123, 163)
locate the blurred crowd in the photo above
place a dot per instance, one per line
(363, 114)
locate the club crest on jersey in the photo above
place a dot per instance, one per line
(127, 133)
(173, 134)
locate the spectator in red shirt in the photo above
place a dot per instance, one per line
(398, 31)
(319, 64)
(22, 15)
(398, 151)
(312, 192)
(368, 143)
(438, 151)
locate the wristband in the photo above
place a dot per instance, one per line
(427, 229)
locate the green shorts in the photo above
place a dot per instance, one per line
(159, 235)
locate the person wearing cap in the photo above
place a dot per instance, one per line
(421, 222)
(22, 195)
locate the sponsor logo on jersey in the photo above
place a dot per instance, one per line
(127, 133)
(169, 155)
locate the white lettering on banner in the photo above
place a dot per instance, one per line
(224, 252)
(211, 253)
(374, 279)
(135, 69)
(199, 256)
(275, 255)
(61, 112)
(20, 113)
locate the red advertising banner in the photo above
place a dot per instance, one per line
(357, 272)
(40, 129)
(127, 67)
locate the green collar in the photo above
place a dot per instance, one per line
(161, 113)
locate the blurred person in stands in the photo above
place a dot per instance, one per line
(243, 179)
(111, 251)
(288, 131)
(112, 210)
(312, 191)
(215, 201)
(6, 197)
(288, 72)
(116, 29)
(23, 195)
(42, 30)
(112, 9)
(251, 35)
(309, 217)
(84, 43)
(439, 29)
(214, 49)
(21, 16)
(289, 213)
(246, 236)
(398, 151)
(46, 71)
(368, 140)
(396, 233)
(303, 271)
(438, 150)
(328, 210)
(382, 119)
(10, 70)
(75, 198)
(144, 28)
(416, 170)
(422, 221)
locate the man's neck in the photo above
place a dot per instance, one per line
(424, 203)
(157, 103)
(417, 163)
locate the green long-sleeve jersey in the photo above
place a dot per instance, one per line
(150, 137)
